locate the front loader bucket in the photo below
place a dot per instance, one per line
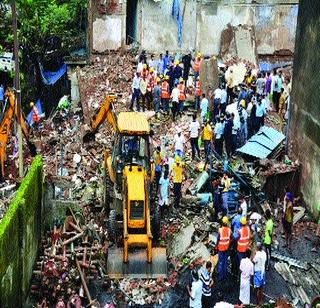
(137, 267)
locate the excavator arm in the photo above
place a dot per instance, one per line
(5, 125)
(106, 112)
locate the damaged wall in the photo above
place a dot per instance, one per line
(265, 27)
(305, 116)
(20, 232)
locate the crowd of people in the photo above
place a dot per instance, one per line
(221, 121)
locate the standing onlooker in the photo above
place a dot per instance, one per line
(230, 86)
(282, 104)
(223, 99)
(143, 91)
(197, 94)
(1, 98)
(244, 206)
(157, 96)
(195, 292)
(260, 84)
(164, 192)
(234, 134)
(135, 91)
(259, 280)
(218, 134)
(246, 268)
(194, 130)
(205, 277)
(207, 140)
(160, 66)
(268, 236)
(157, 157)
(186, 60)
(175, 102)
(217, 101)
(177, 174)
(228, 134)
(217, 198)
(179, 142)
(204, 107)
(225, 183)
(288, 219)
(260, 113)
(276, 89)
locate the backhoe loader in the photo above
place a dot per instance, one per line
(128, 197)
(9, 112)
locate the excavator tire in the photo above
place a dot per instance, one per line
(156, 224)
(112, 228)
(108, 188)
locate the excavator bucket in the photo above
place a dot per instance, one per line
(137, 267)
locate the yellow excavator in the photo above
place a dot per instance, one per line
(8, 113)
(128, 197)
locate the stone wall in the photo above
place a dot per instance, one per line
(20, 231)
(241, 27)
(305, 115)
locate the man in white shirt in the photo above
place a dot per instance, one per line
(246, 268)
(194, 131)
(175, 101)
(179, 143)
(204, 106)
(244, 206)
(216, 101)
(259, 261)
(196, 291)
(135, 91)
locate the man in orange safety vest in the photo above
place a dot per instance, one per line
(243, 240)
(165, 94)
(182, 95)
(224, 238)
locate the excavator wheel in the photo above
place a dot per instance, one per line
(156, 224)
(112, 227)
(108, 188)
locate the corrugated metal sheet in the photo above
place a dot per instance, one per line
(262, 144)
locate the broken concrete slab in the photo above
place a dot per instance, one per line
(181, 241)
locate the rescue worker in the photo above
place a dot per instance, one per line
(182, 95)
(157, 96)
(224, 238)
(177, 71)
(144, 72)
(35, 115)
(197, 94)
(177, 174)
(165, 95)
(244, 239)
(196, 67)
(206, 135)
(143, 92)
(157, 157)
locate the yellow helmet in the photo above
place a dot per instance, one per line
(31, 104)
(151, 69)
(178, 159)
(166, 77)
(198, 78)
(181, 79)
(161, 76)
(225, 220)
(177, 62)
(145, 66)
(243, 103)
(158, 79)
(243, 220)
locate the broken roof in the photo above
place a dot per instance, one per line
(262, 144)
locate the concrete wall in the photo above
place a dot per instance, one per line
(305, 115)
(20, 232)
(271, 24)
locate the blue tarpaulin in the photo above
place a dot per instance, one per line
(266, 66)
(263, 143)
(39, 107)
(177, 15)
(50, 78)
